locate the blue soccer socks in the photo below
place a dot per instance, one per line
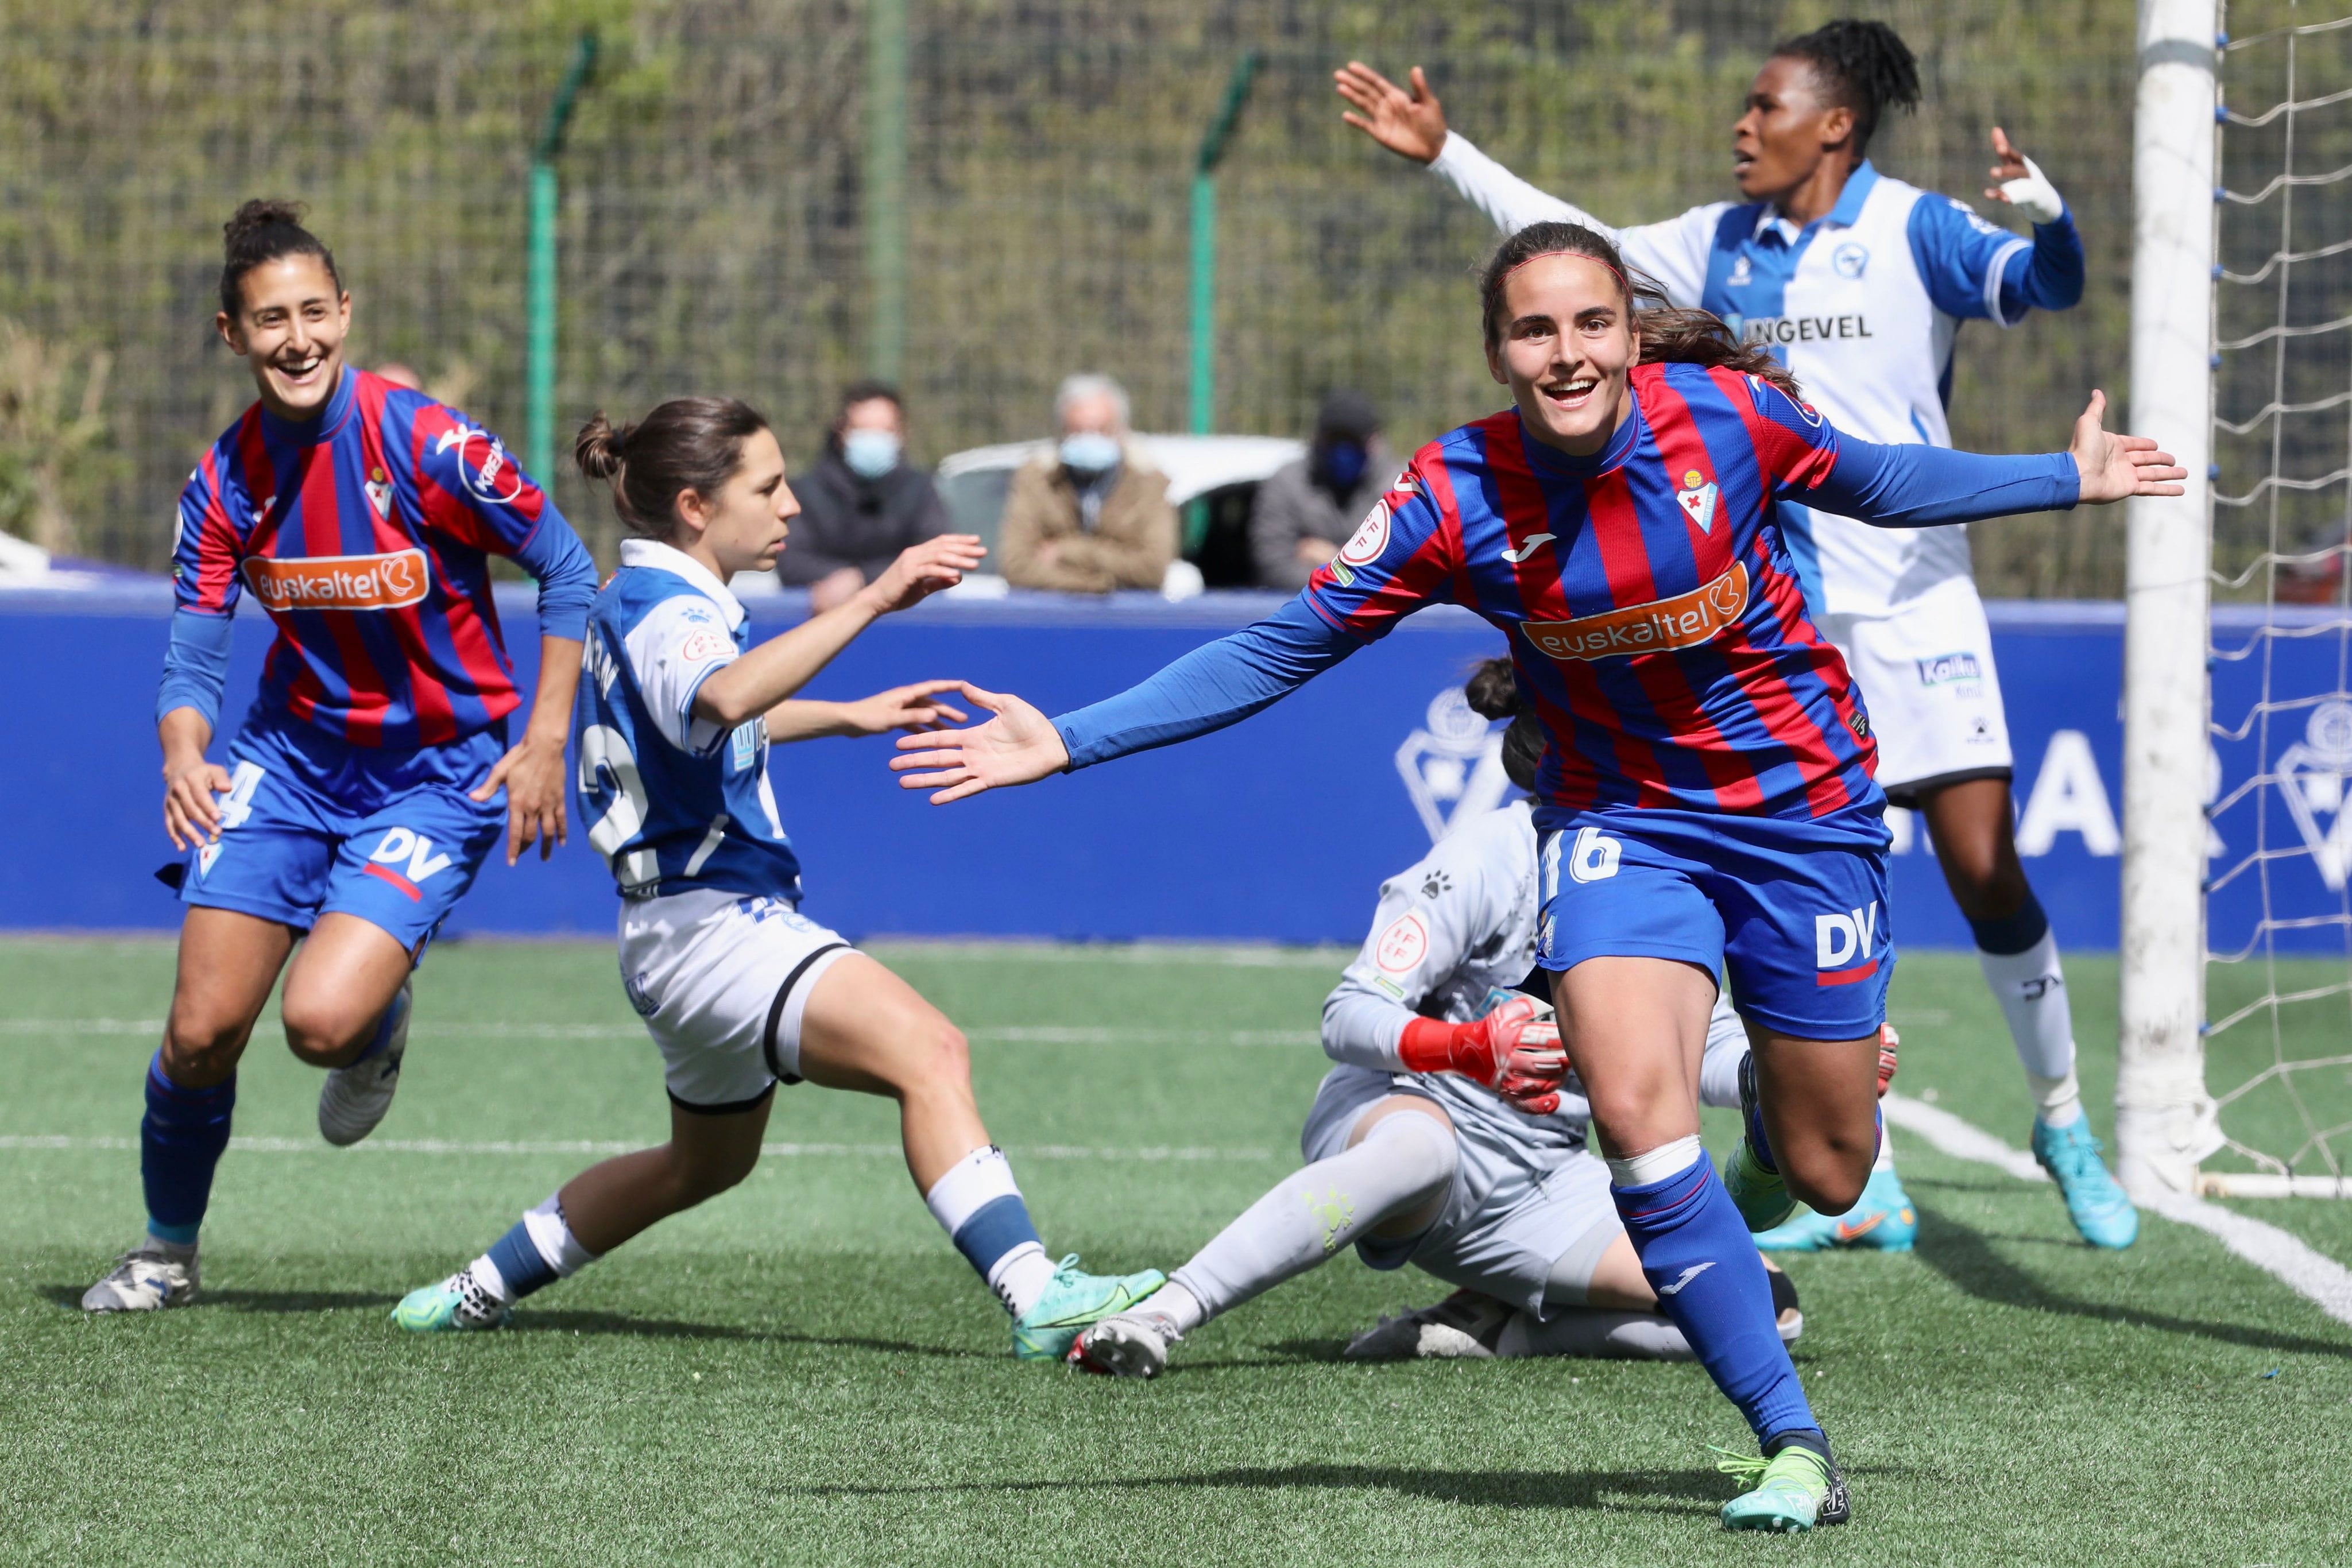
(980, 1207)
(1696, 1253)
(180, 1142)
(538, 1250)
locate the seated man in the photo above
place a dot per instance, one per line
(862, 504)
(1305, 511)
(1091, 515)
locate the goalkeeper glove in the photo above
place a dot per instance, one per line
(1510, 1051)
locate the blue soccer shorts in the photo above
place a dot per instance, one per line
(1792, 913)
(312, 826)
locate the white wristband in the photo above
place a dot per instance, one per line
(2035, 195)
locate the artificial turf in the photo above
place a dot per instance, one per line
(804, 1371)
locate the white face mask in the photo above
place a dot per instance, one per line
(870, 453)
(1089, 452)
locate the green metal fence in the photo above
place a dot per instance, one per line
(767, 198)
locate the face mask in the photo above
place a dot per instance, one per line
(1343, 463)
(870, 453)
(1089, 452)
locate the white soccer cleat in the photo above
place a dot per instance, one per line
(149, 1278)
(1132, 1344)
(355, 1098)
(1465, 1326)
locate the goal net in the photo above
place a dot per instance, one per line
(2278, 891)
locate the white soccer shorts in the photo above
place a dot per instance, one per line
(1927, 676)
(722, 980)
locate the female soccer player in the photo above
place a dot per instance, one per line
(359, 801)
(1706, 799)
(1859, 282)
(739, 989)
(1446, 1137)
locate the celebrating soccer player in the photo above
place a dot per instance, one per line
(739, 989)
(1859, 282)
(1447, 1137)
(1706, 799)
(361, 795)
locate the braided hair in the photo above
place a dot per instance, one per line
(1862, 66)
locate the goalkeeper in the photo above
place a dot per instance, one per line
(1860, 284)
(1451, 1136)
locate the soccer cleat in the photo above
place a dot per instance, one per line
(2097, 1205)
(354, 1098)
(1883, 1220)
(1072, 1301)
(1796, 1489)
(1761, 1196)
(1465, 1326)
(1132, 1344)
(458, 1304)
(148, 1277)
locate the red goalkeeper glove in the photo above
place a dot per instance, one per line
(1509, 1050)
(1887, 1041)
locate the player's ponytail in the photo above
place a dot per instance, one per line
(260, 231)
(1492, 691)
(688, 443)
(1862, 66)
(1670, 333)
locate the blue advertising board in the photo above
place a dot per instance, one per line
(1278, 830)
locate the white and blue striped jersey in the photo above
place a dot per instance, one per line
(675, 802)
(1863, 305)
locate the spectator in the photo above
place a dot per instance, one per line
(1092, 514)
(862, 504)
(1304, 512)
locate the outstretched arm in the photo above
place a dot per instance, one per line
(773, 670)
(1207, 689)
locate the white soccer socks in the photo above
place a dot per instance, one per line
(980, 1207)
(1405, 1160)
(2032, 990)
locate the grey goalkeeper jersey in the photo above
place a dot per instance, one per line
(1454, 936)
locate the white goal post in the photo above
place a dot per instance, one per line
(2165, 1121)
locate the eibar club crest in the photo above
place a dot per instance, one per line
(2311, 774)
(1697, 497)
(1453, 765)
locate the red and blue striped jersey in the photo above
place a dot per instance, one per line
(1653, 611)
(366, 534)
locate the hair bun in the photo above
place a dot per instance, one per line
(601, 450)
(260, 213)
(1493, 690)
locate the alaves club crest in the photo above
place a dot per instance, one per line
(1453, 765)
(2311, 774)
(1697, 497)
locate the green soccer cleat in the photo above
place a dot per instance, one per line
(1796, 1489)
(1762, 1196)
(1882, 1221)
(456, 1305)
(2097, 1205)
(1047, 1330)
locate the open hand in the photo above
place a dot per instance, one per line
(1410, 124)
(911, 708)
(191, 814)
(532, 776)
(922, 570)
(1019, 746)
(2114, 466)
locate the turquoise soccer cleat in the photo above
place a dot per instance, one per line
(1796, 1489)
(2097, 1205)
(1882, 1221)
(456, 1305)
(1047, 1330)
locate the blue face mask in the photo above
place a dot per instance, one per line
(1089, 452)
(870, 453)
(1343, 463)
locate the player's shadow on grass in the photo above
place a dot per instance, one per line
(1966, 1257)
(1694, 1491)
(623, 1325)
(257, 1300)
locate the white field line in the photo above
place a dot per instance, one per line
(1020, 1034)
(2284, 1256)
(583, 1146)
